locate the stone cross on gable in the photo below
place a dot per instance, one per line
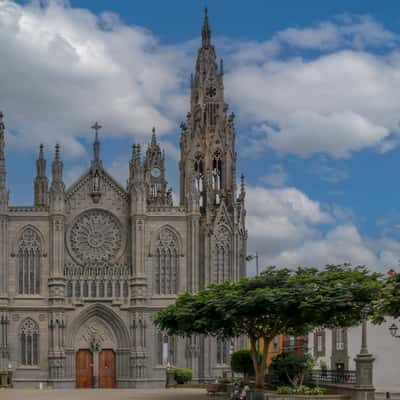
(96, 146)
(96, 128)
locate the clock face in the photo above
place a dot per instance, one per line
(211, 91)
(155, 172)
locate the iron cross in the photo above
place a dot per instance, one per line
(96, 127)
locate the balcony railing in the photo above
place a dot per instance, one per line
(343, 377)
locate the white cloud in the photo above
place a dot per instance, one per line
(335, 104)
(347, 30)
(281, 218)
(287, 228)
(62, 68)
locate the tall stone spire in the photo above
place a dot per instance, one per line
(2, 155)
(206, 32)
(41, 182)
(154, 170)
(153, 142)
(208, 134)
(57, 189)
(57, 169)
(3, 172)
(206, 67)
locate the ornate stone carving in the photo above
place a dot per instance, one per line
(95, 237)
(94, 332)
(167, 238)
(30, 240)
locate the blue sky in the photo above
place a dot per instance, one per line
(315, 87)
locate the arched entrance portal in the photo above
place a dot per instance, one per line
(98, 348)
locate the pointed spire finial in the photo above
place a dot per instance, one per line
(2, 144)
(242, 187)
(41, 181)
(133, 151)
(206, 32)
(57, 168)
(41, 152)
(2, 158)
(153, 137)
(57, 154)
(41, 163)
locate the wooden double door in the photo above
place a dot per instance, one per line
(85, 369)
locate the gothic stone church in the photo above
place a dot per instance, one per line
(86, 268)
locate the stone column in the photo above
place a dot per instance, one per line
(95, 368)
(364, 370)
(4, 321)
(3, 256)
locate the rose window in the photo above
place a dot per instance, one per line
(95, 237)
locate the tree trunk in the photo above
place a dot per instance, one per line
(260, 366)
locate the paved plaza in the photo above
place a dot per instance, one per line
(103, 394)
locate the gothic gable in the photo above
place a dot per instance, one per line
(96, 187)
(223, 217)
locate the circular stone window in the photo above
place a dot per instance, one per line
(95, 237)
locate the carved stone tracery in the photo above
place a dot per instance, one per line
(95, 237)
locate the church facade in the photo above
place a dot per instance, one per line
(85, 269)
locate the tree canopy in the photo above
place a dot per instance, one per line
(278, 301)
(388, 303)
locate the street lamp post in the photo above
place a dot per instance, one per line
(364, 389)
(251, 257)
(364, 315)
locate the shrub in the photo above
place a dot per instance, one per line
(242, 362)
(303, 390)
(183, 375)
(291, 369)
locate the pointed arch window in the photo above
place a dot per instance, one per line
(125, 289)
(85, 289)
(166, 266)
(109, 289)
(69, 289)
(222, 255)
(101, 289)
(77, 289)
(199, 178)
(166, 349)
(29, 342)
(29, 262)
(217, 176)
(223, 348)
(117, 289)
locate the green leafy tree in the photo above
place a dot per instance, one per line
(388, 303)
(277, 301)
(291, 368)
(242, 362)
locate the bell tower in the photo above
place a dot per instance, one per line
(208, 135)
(154, 174)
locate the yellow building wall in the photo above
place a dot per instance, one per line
(273, 350)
